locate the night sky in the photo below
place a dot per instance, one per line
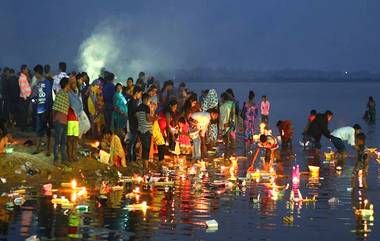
(251, 34)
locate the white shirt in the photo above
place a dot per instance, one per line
(203, 120)
(345, 134)
(57, 80)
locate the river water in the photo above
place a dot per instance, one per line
(179, 212)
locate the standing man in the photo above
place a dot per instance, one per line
(108, 93)
(3, 84)
(133, 104)
(57, 78)
(12, 96)
(141, 81)
(60, 111)
(145, 118)
(25, 93)
(42, 100)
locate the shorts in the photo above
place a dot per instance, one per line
(43, 124)
(73, 128)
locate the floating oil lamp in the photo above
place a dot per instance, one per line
(296, 177)
(95, 144)
(73, 184)
(295, 194)
(314, 171)
(262, 127)
(329, 155)
(233, 169)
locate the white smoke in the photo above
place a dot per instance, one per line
(99, 50)
(119, 47)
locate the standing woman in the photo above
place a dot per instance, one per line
(371, 105)
(249, 114)
(75, 108)
(120, 112)
(210, 104)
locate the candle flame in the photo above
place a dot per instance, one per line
(73, 184)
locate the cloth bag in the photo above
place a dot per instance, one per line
(84, 123)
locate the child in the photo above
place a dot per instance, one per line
(361, 166)
(212, 132)
(285, 129)
(201, 121)
(249, 114)
(184, 138)
(159, 140)
(269, 143)
(196, 140)
(265, 107)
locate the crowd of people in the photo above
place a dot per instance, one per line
(142, 119)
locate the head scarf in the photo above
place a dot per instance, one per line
(210, 101)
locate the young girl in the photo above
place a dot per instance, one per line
(361, 166)
(167, 124)
(249, 114)
(184, 138)
(265, 107)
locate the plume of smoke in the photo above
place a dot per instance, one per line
(97, 51)
(115, 46)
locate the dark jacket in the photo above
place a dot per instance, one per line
(319, 127)
(11, 89)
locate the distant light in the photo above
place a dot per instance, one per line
(346, 72)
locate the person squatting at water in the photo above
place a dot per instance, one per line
(285, 128)
(342, 134)
(270, 144)
(317, 128)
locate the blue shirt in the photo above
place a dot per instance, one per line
(108, 92)
(42, 96)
